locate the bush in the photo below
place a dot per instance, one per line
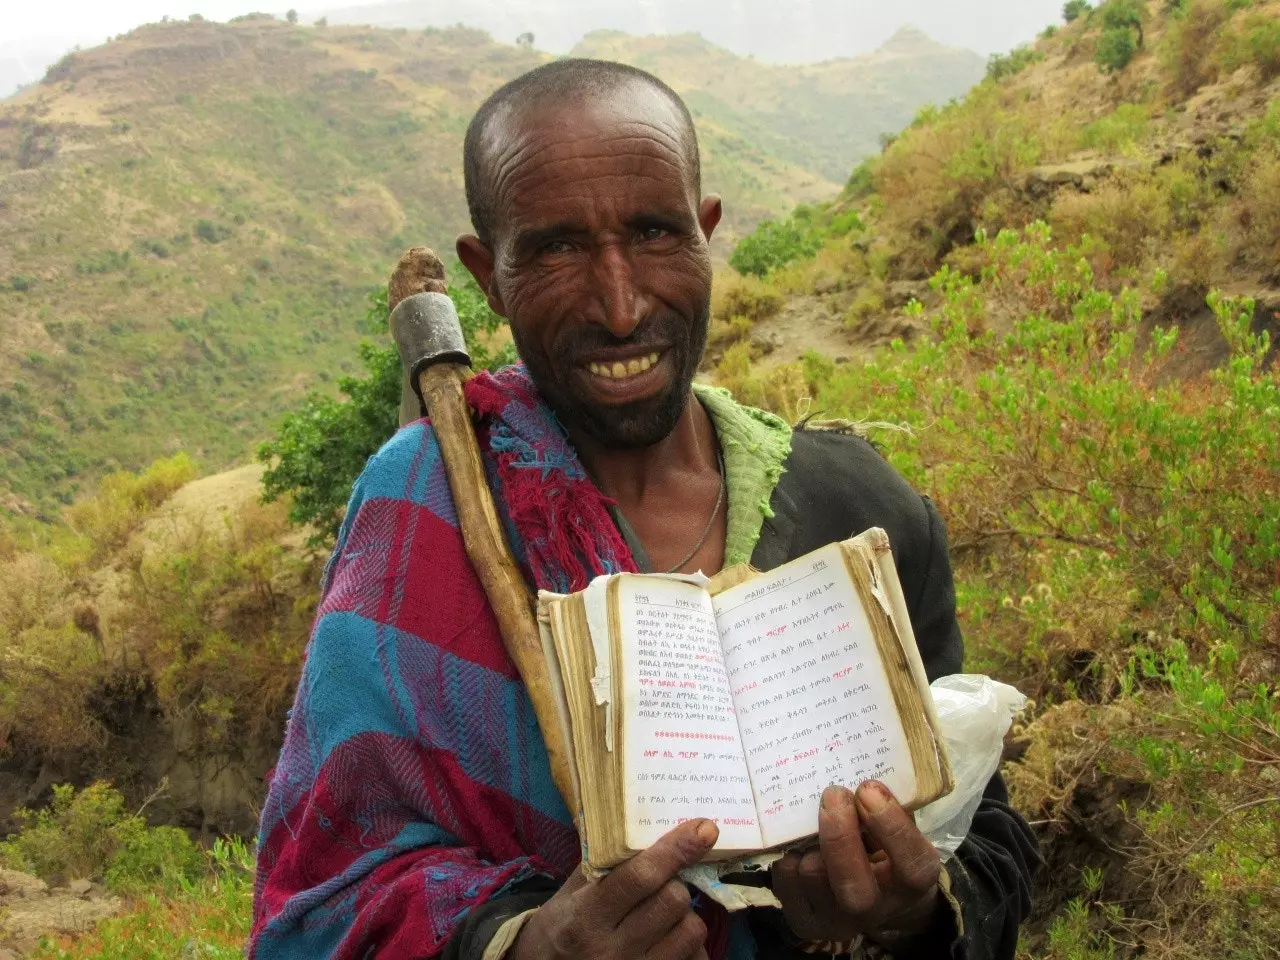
(211, 232)
(1191, 41)
(775, 244)
(21, 283)
(207, 918)
(1000, 66)
(320, 449)
(88, 834)
(1127, 125)
(749, 297)
(1073, 10)
(1125, 15)
(211, 615)
(1258, 44)
(1116, 48)
(123, 501)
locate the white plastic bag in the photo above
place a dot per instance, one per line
(974, 712)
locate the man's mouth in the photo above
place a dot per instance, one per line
(627, 379)
(623, 370)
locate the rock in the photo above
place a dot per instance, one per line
(902, 292)
(80, 887)
(21, 886)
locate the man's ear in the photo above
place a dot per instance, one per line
(709, 213)
(478, 259)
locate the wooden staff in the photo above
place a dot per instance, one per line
(434, 355)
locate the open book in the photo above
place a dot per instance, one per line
(739, 699)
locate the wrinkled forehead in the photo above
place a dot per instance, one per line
(627, 139)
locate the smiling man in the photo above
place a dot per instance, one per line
(412, 813)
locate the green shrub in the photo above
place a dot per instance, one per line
(320, 449)
(21, 283)
(775, 244)
(211, 232)
(1257, 43)
(1116, 48)
(1127, 125)
(208, 917)
(1125, 15)
(1073, 10)
(749, 297)
(1000, 65)
(89, 834)
(105, 261)
(123, 501)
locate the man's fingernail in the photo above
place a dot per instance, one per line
(872, 797)
(836, 798)
(707, 833)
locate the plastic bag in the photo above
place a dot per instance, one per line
(974, 713)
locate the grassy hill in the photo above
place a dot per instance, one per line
(191, 215)
(1076, 271)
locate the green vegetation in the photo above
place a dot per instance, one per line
(1073, 10)
(183, 245)
(208, 917)
(322, 447)
(1116, 533)
(88, 834)
(1001, 65)
(775, 244)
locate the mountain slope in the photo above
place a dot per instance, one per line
(824, 117)
(190, 217)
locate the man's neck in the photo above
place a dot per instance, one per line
(640, 476)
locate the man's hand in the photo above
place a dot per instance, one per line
(640, 911)
(839, 891)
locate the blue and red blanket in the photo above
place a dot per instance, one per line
(413, 784)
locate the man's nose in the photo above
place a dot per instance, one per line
(623, 306)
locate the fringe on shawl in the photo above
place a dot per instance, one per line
(562, 517)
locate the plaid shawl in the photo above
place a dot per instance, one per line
(413, 783)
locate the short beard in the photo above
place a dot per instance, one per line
(630, 426)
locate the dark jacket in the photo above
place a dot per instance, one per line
(835, 486)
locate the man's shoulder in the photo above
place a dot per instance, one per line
(839, 459)
(838, 484)
(404, 468)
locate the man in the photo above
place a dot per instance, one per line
(412, 812)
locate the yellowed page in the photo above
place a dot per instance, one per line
(682, 753)
(813, 699)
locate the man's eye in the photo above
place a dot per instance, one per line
(652, 233)
(555, 248)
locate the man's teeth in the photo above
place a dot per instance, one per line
(620, 371)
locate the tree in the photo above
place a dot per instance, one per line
(322, 22)
(1075, 9)
(322, 446)
(525, 40)
(292, 16)
(1116, 48)
(1125, 15)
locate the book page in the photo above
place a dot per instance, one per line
(683, 754)
(813, 698)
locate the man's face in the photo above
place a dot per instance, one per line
(600, 262)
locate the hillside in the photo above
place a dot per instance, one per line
(823, 117)
(1076, 274)
(191, 215)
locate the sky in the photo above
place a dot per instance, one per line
(34, 34)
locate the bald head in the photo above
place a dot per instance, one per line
(534, 98)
